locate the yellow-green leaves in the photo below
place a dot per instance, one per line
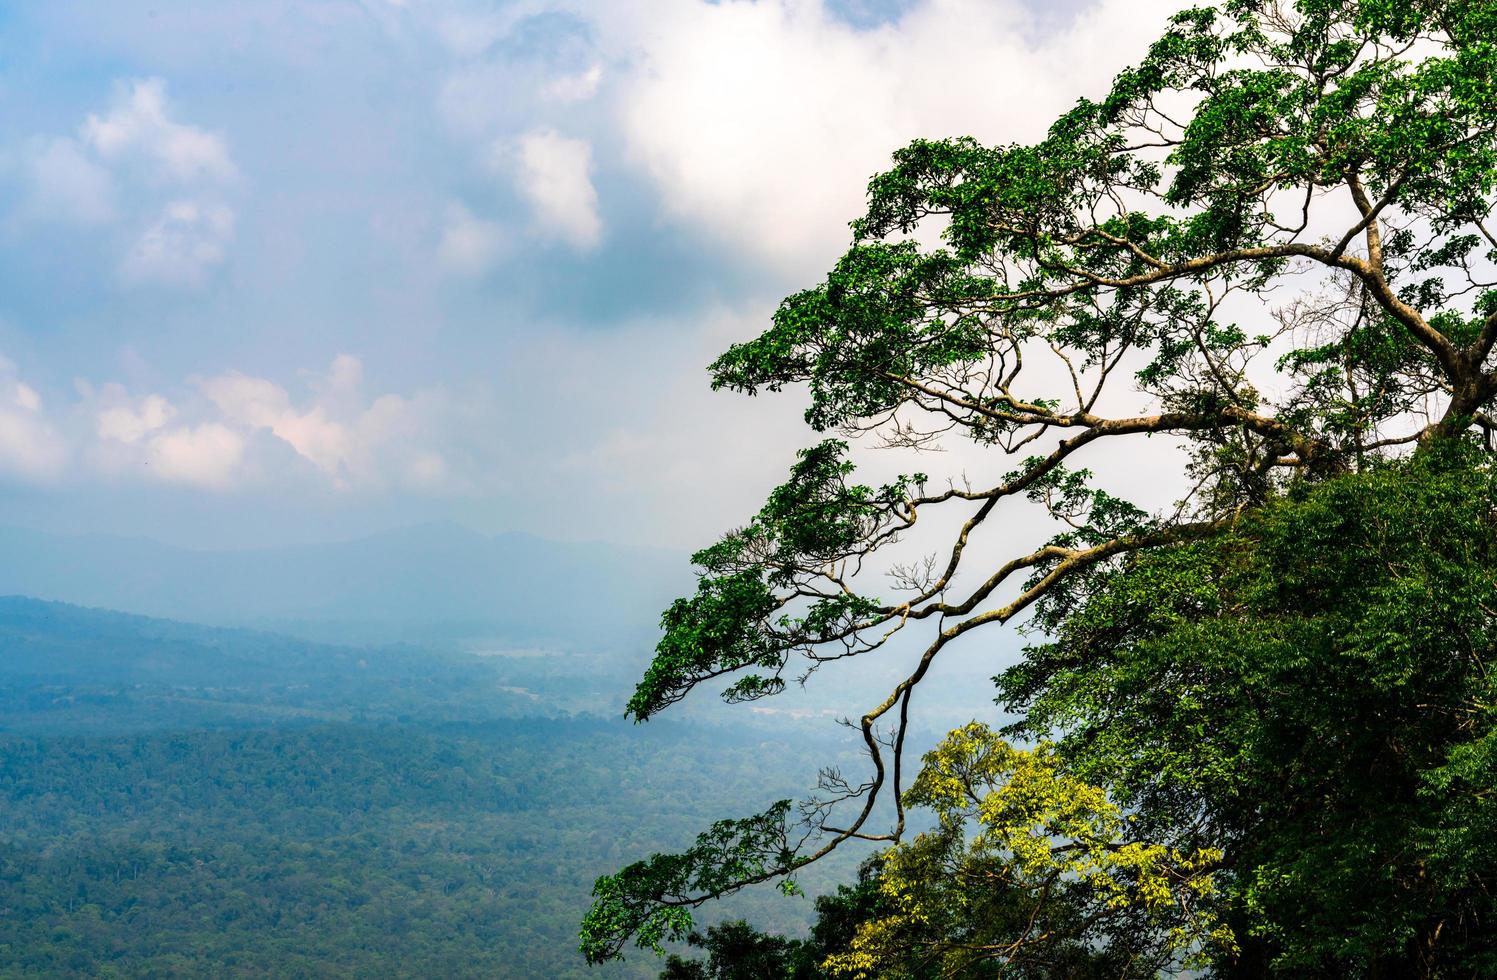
(1027, 862)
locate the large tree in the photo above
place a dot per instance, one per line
(1267, 246)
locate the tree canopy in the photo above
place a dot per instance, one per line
(1267, 246)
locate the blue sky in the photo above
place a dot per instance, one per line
(281, 271)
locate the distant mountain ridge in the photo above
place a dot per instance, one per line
(70, 669)
(437, 581)
(58, 642)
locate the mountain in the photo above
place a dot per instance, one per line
(65, 668)
(58, 643)
(432, 582)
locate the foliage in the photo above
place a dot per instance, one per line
(737, 951)
(1268, 245)
(815, 519)
(343, 850)
(1028, 868)
(636, 900)
(1310, 693)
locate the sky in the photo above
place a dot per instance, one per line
(275, 272)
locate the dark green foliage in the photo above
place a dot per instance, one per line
(811, 524)
(724, 627)
(1310, 692)
(637, 902)
(737, 951)
(868, 325)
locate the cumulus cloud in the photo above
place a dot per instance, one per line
(158, 185)
(67, 184)
(30, 446)
(554, 174)
(206, 455)
(138, 124)
(351, 442)
(131, 421)
(577, 87)
(760, 123)
(257, 403)
(235, 431)
(470, 245)
(189, 236)
(144, 438)
(181, 246)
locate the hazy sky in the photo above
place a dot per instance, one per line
(276, 271)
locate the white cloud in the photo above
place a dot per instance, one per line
(343, 378)
(255, 402)
(131, 421)
(25, 398)
(67, 184)
(30, 446)
(470, 245)
(578, 87)
(760, 123)
(134, 166)
(427, 470)
(139, 125)
(258, 403)
(350, 442)
(236, 431)
(554, 175)
(206, 455)
(181, 246)
(136, 438)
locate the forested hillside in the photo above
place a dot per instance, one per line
(180, 801)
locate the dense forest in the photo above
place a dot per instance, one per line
(270, 813)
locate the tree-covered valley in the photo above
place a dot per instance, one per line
(183, 801)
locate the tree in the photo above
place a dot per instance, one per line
(1310, 694)
(1268, 246)
(1029, 873)
(736, 950)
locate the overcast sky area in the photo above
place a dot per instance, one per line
(297, 270)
